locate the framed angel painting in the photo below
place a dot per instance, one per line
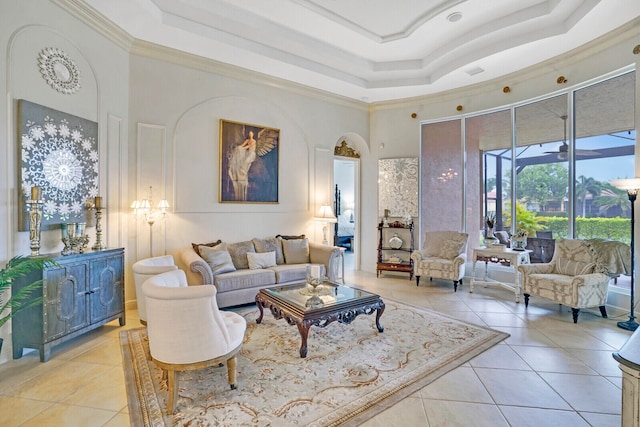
(248, 163)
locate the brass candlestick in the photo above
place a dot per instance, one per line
(34, 206)
(98, 246)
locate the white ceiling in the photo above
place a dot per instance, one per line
(372, 50)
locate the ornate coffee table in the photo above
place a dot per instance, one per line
(339, 302)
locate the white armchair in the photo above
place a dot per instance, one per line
(571, 278)
(443, 256)
(187, 331)
(144, 269)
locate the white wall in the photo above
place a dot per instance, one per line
(27, 27)
(180, 108)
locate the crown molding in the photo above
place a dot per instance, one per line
(196, 62)
(121, 38)
(96, 21)
(627, 32)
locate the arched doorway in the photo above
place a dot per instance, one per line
(346, 201)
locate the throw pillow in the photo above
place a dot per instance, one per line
(270, 244)
(450, 249)
(212, 244)
(238, 252)
(574, 268)
(280, 236)
(261, 260)
(296, 251)
(218, 258)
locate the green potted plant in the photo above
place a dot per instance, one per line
(19, 266)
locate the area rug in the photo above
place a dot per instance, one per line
(351, 373)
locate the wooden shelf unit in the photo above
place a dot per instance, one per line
(405, 232)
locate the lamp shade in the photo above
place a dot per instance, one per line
(627, 184)
(325, 214)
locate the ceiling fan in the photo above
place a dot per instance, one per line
(563, 149)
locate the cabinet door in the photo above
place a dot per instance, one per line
(106, 287)
(65, 306)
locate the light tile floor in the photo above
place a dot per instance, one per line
(549, 372)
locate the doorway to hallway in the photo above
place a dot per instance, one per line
(346, 201)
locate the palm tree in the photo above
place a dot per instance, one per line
(612, 197)
(584, 187)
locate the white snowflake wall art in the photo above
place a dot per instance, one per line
(59, 154)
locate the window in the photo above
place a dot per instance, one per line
(562, 164)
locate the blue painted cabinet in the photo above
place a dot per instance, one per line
(81, 293)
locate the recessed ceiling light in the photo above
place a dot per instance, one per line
(454, 17)
(475, 70)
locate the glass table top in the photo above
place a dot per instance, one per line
(330, 293)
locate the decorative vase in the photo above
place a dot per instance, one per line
(395, 242)
(518, 245)
(490, 238)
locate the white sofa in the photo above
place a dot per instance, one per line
(237, 283)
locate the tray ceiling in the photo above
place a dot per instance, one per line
(372, 50)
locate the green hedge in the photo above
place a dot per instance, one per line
(587, 228)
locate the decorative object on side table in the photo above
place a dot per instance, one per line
(395, 259)
(97, 205)
(34, 206)
(315, 275)
(490, 222)
(395, 242)
(385, 218)
(631, 185)
(325, 215)
(73, 237)
(519, 240)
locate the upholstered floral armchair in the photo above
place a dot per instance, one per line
(443, 256)
(573, 277)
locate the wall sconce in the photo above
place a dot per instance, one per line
(326, 216)
(560, 80)
(459, 108)
(506, 89)
(151, 213)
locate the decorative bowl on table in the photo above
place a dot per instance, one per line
(395, 259)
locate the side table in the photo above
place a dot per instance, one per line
(506, 257)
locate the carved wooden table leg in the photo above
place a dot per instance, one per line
(378, 314)
(259, 304)
(303, 328)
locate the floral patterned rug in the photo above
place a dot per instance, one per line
(351, 373)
